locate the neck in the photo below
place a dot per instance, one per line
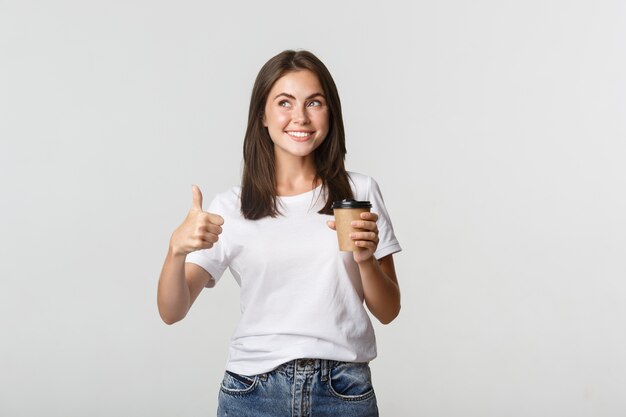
(295, 175)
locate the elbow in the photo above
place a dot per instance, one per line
(388, 318)
(171, 312)
(170, 319)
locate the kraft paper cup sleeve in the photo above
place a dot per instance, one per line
(345, 212)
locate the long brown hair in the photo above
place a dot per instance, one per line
(258, 184)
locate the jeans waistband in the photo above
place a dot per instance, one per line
(307, 366)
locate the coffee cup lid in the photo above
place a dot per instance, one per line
(351, 203)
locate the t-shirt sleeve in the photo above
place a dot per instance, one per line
(387, 241)
(213, 260)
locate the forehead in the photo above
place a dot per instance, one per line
(302, 81)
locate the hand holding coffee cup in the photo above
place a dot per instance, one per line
(356, 228)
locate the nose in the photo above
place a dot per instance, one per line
(300, 115)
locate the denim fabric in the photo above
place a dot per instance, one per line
(300, 388)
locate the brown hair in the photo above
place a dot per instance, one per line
(258, 184)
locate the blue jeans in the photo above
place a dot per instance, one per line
(300, 388)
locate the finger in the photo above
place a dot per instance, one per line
(331, 224)
(366, 215)
(215, 219)
(197, 197)
(364, 224)
(210, 237)
(365, 244)
(200, 243)
(206, 219)
(209, 228)
(212, 228)
(370, 236)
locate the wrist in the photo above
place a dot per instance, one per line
(176, 252)
(368, 263)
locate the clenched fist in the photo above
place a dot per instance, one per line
(200, 230)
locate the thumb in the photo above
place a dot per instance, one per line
(331, 224)
(197, 197)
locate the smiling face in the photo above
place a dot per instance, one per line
(296, 114)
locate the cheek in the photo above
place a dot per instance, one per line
(321, 119)
(269, 117)
(275, 119)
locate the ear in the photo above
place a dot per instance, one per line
(263, 119)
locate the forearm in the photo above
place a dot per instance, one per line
(382, 294)
(173, 297)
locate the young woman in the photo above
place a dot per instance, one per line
(304, 341)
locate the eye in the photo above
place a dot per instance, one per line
(284, 103)
(314, 103)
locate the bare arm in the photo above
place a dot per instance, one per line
(179, 286)
(380, 286)
(181, 283)
(380, 283)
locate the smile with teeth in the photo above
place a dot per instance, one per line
(299, 135)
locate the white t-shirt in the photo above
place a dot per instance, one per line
(300, 296)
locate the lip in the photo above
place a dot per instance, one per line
(300, 139)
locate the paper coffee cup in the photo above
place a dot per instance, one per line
(345, 212)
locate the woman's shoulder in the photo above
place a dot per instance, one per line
(358, 178)
(228, 200)
(364, 186)
(360, 181)
(361, 185)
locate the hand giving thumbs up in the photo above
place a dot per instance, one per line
(199, 230)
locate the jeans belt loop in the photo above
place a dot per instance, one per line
(325, 369)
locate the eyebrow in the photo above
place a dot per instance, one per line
(293, 98)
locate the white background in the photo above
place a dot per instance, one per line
(496, 130)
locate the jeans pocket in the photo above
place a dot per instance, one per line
(236, 384)
(351, 381)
